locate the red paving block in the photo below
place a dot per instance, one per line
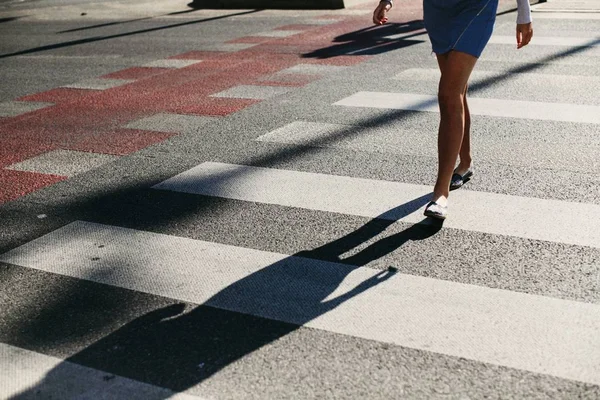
(16, 184)
(70, 120)
(15, 149)
(135, 73)
(59, 95)
(296, 27)
(275, 47)
(118, 142)
(215, 107)
(340, 60)
(19, 131)
(216, 64)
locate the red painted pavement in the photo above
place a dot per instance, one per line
(94, 120)
(16, 149)
(18, 183)
(59, 95)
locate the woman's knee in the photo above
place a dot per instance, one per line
(451, 101)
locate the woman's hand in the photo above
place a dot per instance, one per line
(524, 34)
(379, 15)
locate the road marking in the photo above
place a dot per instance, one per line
(478, 77)
(320, 21)
(225, 47)
(98, 84)
(576, 223)
(419, 36)
(478, 106)
(252, 92)
(167, 122)
(171, 63)
(16, 108)
(551, 148)
(316, 69)
(63, 162)
(26, 374)
(517, 330)
(549, 41)
(276, 34)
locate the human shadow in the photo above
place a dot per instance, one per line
(173, 349)
(373, 40)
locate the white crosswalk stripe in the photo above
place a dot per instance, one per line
(22, 370)
(511, 215)
(479, 106)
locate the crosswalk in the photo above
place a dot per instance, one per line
(534, 333)
(282, 271)
(22, 368)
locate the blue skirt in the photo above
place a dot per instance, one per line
(461, 25)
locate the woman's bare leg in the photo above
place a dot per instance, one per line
(456, 68)
(465, 147)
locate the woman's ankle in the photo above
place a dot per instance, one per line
(440, 196)
(464, 164)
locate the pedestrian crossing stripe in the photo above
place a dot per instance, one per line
(478, 106)
(481, 76)
(572, 153)
(575, 223)
(517, 330)
(23, 371)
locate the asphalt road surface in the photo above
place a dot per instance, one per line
(227, 204)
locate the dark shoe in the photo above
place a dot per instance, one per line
(434, 210)
(458, 180)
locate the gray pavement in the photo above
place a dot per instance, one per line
(183, 316)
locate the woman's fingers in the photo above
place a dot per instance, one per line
(524, 34)
(379, 15)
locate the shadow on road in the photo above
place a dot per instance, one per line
(130, 21)
(119, 35)
(373, 40)
(173, 349)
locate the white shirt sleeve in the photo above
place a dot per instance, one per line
(523, 12)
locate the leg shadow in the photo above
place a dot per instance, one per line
(174, 349)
